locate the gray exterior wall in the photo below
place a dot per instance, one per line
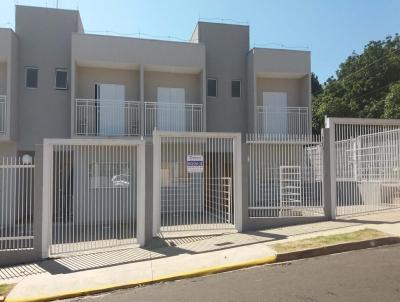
(110, 51)
(88, 77)
(294, 88)
(8, 79)
(281, 61)
(190, 82)
(226, 50)
(13, 88)
(3, 78)
(251, 94)
(8, 149)
(45, 42)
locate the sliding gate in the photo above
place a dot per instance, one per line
(195, 181)
(365, 164)
(285, 176)
(92, 189)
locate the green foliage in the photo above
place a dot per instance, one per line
(316, 87)
(366, 85)
(392, 102)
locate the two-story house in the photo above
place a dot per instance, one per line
(56, 81)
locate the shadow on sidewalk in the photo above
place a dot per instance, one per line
(170, 246)
(159, 248)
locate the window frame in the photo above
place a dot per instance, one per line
(26, 76)
(55, 79)
(216, 88)
(240, 89)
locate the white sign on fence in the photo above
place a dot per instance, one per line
(195, 163)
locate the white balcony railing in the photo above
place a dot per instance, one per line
(124, 118)
(107, 117)
(3, 114)
(283, 120)
(172, 117)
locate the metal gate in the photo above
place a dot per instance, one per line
(366, 164)
(196, 181)
(92, 193)
(285, 176)
(16, 203)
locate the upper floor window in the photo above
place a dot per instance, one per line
(31, 77)
(212, 88)
(61, 79)
(236, 90)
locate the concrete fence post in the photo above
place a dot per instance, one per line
(156, 184)
(329, 182)
(141, 194)
(149, 192)
(38, 204)
(47, 172)
(237, 186)
(245, 186)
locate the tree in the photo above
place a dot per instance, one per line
(316, 87)
(364, 86)
(392, 102)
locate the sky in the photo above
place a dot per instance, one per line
(330, 29)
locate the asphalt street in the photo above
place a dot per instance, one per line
(366, 275)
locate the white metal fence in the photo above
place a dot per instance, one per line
(194, 181)
(3, 114)
(93, 192)
(366, 175)
(283, 120)
(107, 117)
(172, 117)
(285, 176)
(16, 204)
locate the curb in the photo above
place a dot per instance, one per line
(178, 276)
(337, 248)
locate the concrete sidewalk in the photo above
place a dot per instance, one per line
(172, 259)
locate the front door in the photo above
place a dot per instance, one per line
(275, 112)
(171, 113)
(110, 114)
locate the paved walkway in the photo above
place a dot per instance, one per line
(110, 269)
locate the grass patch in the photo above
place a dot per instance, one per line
(5, 289)
(321, 241)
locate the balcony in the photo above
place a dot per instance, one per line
(124, 118)
(283, 120)
(3, 115)
(172, 117)
(107, 117)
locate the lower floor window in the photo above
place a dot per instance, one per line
(109, 175)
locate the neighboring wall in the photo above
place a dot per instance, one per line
(88, 77)
(44, 42)
(190, 82)
(226, 50)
